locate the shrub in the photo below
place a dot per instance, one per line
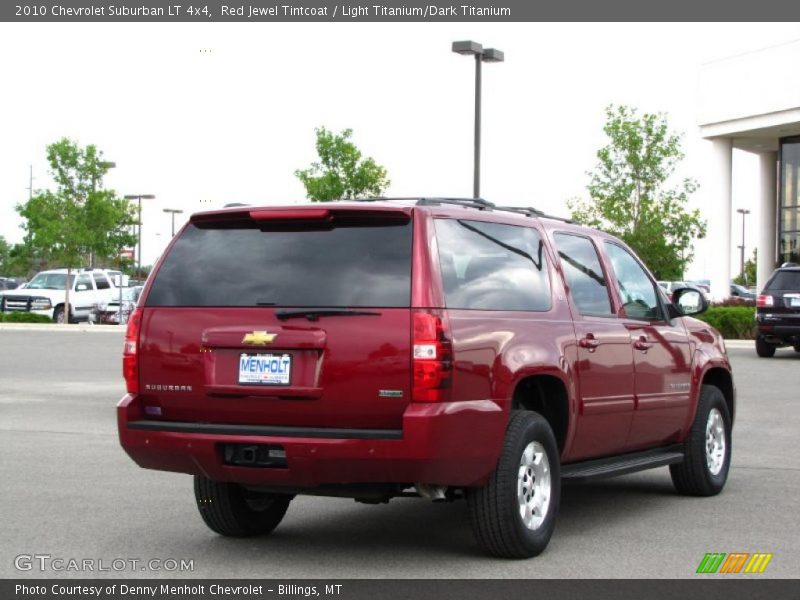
(733, 322)
(24, 317)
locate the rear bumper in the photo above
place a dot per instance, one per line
(455, 444)
(780, 334)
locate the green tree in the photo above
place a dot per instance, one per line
(750, 271)
(79, 218)
(633, 196)
(5, 255)
(341, 172)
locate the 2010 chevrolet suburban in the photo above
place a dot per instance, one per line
(434, 347)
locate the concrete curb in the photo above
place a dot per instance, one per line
(740, 343)
(75, 327)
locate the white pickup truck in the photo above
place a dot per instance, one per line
(45, 293)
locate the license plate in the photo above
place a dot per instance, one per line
(265, 369)
(794, 302)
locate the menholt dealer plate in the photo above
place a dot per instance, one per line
(265, 369)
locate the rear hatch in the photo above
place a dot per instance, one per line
(293, 317)
(779, 303)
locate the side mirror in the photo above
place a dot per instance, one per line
(81, 287)
(688, 301)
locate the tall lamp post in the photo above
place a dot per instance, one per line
(139, 197)
(744, 212)
(481, 56)
(173, 212)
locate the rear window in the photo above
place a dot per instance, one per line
(785, 280)
(490, 266)
(363, 263)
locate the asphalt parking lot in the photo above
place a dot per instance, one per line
(71, 492)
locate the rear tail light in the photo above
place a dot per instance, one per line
(765, 300)
(130, 354)
(432, 356)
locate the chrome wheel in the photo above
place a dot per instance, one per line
(533, 485)
(715, 442)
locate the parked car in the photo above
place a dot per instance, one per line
(10, 283)
(117, 310)
(440, 348)
(778, 312)
(739, 291)
(45, 293)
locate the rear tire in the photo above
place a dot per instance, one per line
(230, 510)
(514, 514)
(763, 349)
(707, 449)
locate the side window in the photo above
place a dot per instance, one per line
(585, 278)
(635, 287)
(101, 281)
(82, 280)
(490, 266)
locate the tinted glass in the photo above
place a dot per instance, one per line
(492, 267)
(635, 288)
(585, 278)
(101, 281)
(785, 280)
(362, 264)
(84, 280)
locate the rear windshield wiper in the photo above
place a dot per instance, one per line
(313, 314)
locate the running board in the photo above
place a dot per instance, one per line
(622, 465)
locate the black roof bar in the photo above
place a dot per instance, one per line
(478, 203)
(530, 211)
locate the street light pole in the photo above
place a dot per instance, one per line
(481, 55)
(173, 212)
(139, 197)
(744, 212)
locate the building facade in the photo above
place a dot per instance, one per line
(751, 102)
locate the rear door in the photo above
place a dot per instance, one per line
(295, 317)
(605, 360)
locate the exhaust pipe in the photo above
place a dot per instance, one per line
(431, 492)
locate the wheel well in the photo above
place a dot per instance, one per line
(720, 378)
(546, 395)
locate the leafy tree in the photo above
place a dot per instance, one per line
(5, 255)
(631, 196)
(78, 218)
(341, 173)
(749, 275)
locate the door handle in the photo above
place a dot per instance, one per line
(589, 341)
(642, 344)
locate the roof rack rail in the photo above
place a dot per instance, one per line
(530, 211)
(478, 203)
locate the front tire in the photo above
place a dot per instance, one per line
(230, 510)
(763, 349)
(707, 449)
(514, 514)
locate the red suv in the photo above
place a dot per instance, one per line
(432, 347)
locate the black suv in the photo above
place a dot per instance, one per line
(778, 311)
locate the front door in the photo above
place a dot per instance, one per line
(661, 355)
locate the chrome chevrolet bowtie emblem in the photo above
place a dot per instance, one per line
(258, 338)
